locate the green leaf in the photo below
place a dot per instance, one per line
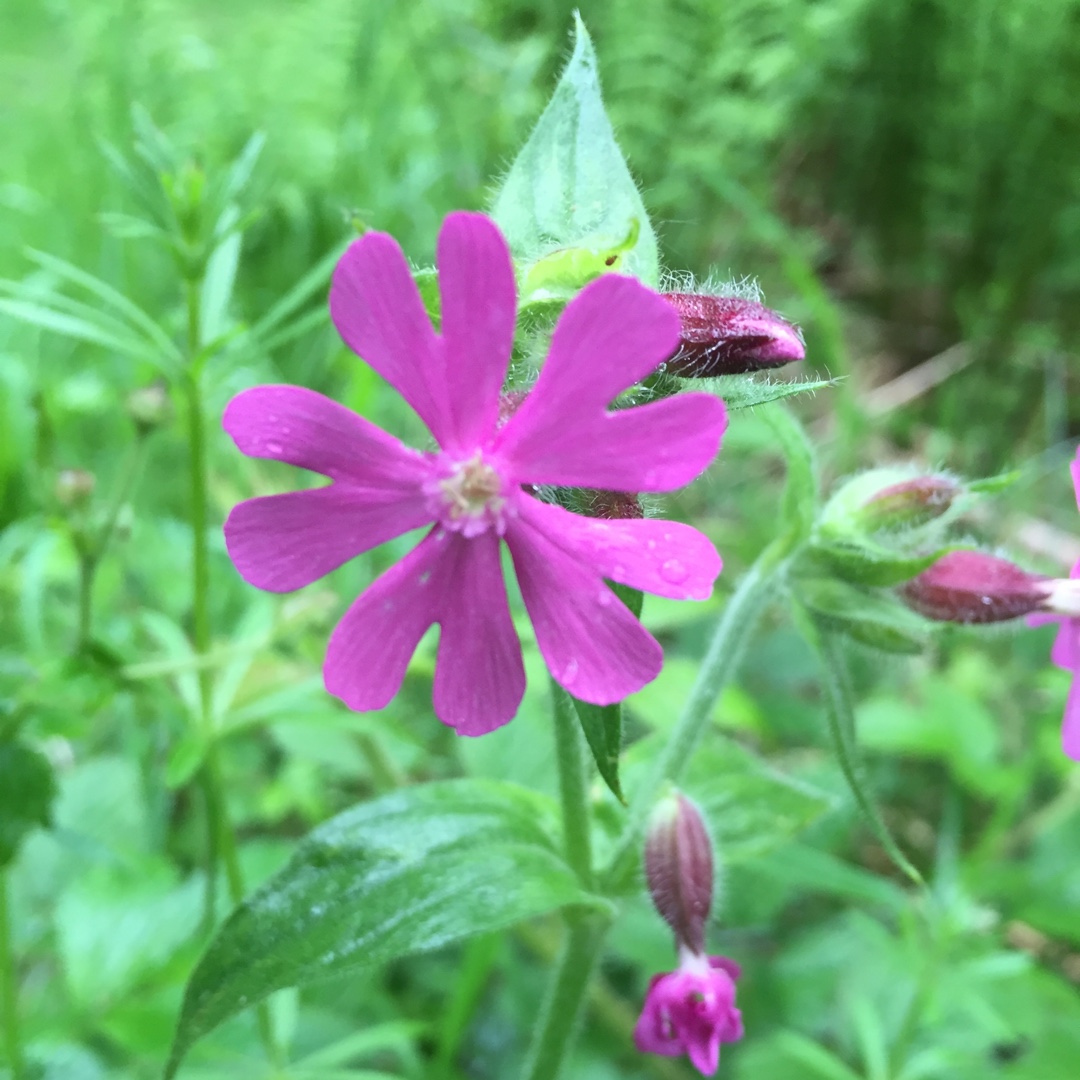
(124, 308)
(413, 871)
(864, 562)
(570, 187)
(74, 326)
(27, 789)
(603, 724)
(871, 618)
(745, 391)
(751, 807)
(801, 491)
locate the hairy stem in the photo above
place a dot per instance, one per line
(221, 841)
(553, 1037)
(573, 786)
(721, 660)
(9, 994)
(560, 1017)
(841, 716)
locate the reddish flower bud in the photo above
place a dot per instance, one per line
(726, 335)
(679, 869)
(74, 487)
(973, 587)
(909, 503)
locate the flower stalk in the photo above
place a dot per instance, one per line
(9, 999)
(221, 841)
(725, 652)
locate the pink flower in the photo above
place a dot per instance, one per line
(1065, 596)
(691, 1011)
(470, 489)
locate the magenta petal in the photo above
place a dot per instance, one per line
(1065, 652)
(611, 335)
(284, 542)
(727, 965)
(379, 314)
(370, 648)
(704, 1051)
(655, 447)
(306, 429)
(591, 643)
(666, 558)
(478, 302)
(1070, 728)
(479, 674)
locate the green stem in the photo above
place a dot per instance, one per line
(554, 1035)
(87, 570)
(9, 1000)
(561, 1013)
(573, 786)
(721, 660)
(221, 841)
(841, 716)
(92, 548)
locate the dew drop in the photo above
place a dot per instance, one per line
(604, 599)
(674, 572)
(275, 448)
(652, 544)
(569, 673)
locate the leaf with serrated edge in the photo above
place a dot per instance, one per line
(413, 871)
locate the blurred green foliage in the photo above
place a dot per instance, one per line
(901, 177)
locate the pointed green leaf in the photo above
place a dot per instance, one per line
(864, 562)
(871, 618)
(746, 391)
(415, 870)
(27, 789)
(602, 725)
(570, 186)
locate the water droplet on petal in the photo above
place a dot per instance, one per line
(569, 673)
(674, 572)
(604, 599)
(274, 448)
(652, 544)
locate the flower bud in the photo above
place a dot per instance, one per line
(909, 503)
(726, 335)
(973, 587)
(149, 407)
(679, 869)
(613, 505)
(74, 487)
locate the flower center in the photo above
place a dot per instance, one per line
(469, 497)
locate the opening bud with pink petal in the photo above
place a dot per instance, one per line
(690, 1010)
(974, 587)
(729, 335)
